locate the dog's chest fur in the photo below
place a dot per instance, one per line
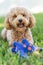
(18, 36)
(13, 35)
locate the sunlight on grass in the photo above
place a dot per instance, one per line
(1, 25)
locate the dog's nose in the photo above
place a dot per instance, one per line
(20, 20)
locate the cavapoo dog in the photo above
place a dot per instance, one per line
(17, 25)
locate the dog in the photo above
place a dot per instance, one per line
(18, 23)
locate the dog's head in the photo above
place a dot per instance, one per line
(19, 19)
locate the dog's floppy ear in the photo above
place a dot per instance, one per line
(7, 24)
(31, 20)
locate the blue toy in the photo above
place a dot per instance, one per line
(24, 47)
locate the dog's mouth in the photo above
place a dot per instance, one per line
(20, 25)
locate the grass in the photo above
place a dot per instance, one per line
(8, 58)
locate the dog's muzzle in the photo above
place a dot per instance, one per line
(20, 25)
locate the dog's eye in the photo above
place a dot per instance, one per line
(14, 16)
(23, 14)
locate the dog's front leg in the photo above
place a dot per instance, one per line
(11, 43)
(29, 37)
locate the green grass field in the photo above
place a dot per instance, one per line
(8, 58)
